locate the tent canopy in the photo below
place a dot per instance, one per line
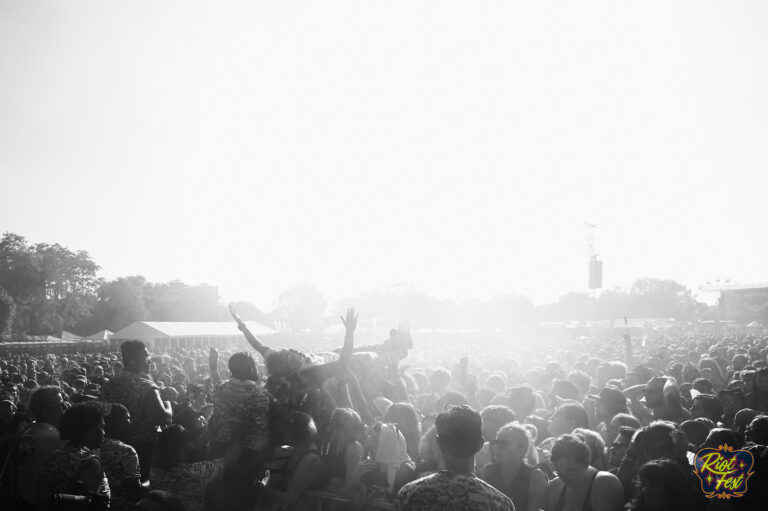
(151, 330)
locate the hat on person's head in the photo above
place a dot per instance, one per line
(612, 397)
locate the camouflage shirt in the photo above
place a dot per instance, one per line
(449, 491)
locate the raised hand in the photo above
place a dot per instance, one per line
(350, 322)
(213, 357)
(235, 315)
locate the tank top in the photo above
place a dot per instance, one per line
(587, 506)
(517, 490)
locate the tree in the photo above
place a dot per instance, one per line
(7, 313)
(301, 307)
(53, 287)
(657, 298)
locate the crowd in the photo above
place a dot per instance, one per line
(600, 424)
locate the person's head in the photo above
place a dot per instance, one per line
(570, 458)
(660, 439)
(439, 381)
(581, 380)
(522, 400)
(757, 430)
(596, 447)
(451, 399)
(118, 422)
(135, 356)
(761, 379)
(494, 417)
(159, 500)
(724, 436)
(511, 444)
(662, 484)
(345, 426)
(497, 383)
(83, 424)
(46, 404)
(243, 366)
(733, 400)
(618, 420)
(170, 447)
(299, 429)
(739, 362)
(708, 406)
(459, 432)
(565, 390)
(696, 432)
(654, 392)
(568, 417)
(618, 447)
(702, 385)
(610, 402)
(7, 409)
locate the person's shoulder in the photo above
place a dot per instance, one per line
(421, 482)
(606, 480)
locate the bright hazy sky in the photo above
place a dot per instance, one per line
(456, 146)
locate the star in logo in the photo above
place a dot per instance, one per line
(709, 479)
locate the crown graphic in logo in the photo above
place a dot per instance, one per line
(723, 472)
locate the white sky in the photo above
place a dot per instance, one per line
(457, 146)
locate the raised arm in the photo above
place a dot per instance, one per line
(252, 340)
(213, 366)
(350, 323)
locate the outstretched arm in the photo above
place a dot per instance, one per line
(350, 323)
(252, 340)
(213, 366)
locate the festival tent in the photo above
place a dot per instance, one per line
(755, 326)
(187, 334)
(102, 335)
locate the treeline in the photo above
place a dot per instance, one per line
(46, 288)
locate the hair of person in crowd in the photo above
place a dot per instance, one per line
(723, 436)
(494, 417)
(169, 450)
(596, 446)
(661, 439)
(568, 417)
(46, 404)
(757, 430)
(523, 438)
(117, 422)
(451, 399)
(571, 447)
(242, 366)
(459, 432)
(131, 351)
(405, 417)
(298, 429)
(662, 484)
(521, 400)
(83, 424)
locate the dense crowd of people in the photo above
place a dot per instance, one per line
(600, 424)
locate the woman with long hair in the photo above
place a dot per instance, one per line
(511, 472)
(663, 486)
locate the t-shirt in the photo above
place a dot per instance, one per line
(60, 470)
(129, 389)
(240, 404)
(449, 491)
(188, 481)
(119, 462)
(36, 447)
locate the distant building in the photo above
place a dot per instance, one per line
(170, 334)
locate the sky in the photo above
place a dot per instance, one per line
(459, 147)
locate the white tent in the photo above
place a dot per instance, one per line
(169, 334)
(102, 335)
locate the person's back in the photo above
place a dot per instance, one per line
(459, 438)
(447, 491)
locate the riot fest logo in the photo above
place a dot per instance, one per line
(723, 472)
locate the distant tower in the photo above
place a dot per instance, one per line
(595, 264)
